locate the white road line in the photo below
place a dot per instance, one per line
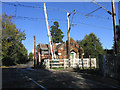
(35, 82)
(76, 77)
(39, 85)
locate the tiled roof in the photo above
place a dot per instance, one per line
(44, 46)
(57, 47)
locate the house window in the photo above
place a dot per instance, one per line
(71, 43)
(75, 45)
(64, 48)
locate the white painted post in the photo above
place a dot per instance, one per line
(95, 62)
(72, 63)
(64, 63)
(87, 63)
(48, 64)
(49, 34)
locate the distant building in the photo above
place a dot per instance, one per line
(60, 50)
(109, 51)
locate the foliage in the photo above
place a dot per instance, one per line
(118, 47)
(91, 45)
(118, 40)
(118, 44)
(56, 33)
(31, 56)
(13, 51)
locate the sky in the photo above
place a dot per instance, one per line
(33, 20)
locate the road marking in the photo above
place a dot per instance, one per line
(34, 81)
(38, 84)
(78, 76)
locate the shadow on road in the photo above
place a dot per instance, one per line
(16, 78)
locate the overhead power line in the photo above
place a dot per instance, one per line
(107, 28)
(93, 11)
(22, 5)
(61, 21)
(57, 9)
(51, 20)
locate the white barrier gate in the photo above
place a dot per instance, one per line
(74, 63)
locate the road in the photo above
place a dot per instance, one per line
(45, 79)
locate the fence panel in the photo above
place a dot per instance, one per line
(74, 63)
(109, 66)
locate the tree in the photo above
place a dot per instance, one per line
(91, 45)
(13, 51)
(118, 47)
(31, 56)
(118, 40)
(57, 34)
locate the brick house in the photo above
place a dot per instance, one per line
(60, 50)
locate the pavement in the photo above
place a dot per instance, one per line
(45, 79)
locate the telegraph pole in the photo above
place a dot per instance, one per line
(114, 24)
(68, 37)
(34, 52)
(38, 59)
(68, 31)
(114, 21)
(69, 27)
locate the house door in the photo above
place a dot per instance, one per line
(72, 55)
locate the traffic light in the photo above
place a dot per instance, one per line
(118, 33)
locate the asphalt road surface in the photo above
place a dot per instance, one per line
(45, 79)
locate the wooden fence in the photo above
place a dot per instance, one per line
(74, 63)
(109, 66)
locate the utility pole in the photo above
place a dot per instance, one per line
(69, 27)
(40, 54)
(68, 37)
(114, 24)
(38, 59)
(114, 21)
(34, 53)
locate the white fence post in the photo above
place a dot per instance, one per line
(88, 63)
(48, 63)
(75, 63)
(95, 62)
(64, 63)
